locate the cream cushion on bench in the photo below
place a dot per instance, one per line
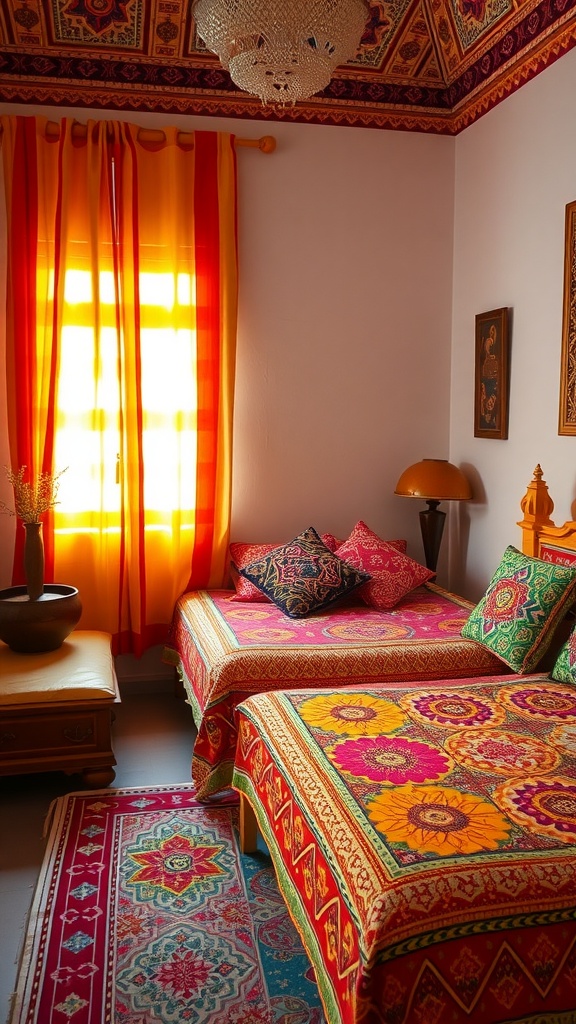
(83, 667)
(57, 708)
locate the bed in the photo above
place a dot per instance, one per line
(225, 650)
(424, 833)
(429, 866)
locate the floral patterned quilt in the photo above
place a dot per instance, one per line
(424, 838)
(226, 650)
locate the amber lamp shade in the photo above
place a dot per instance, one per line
(433, 480)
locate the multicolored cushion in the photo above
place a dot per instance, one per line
(524, 602)
(564, 668)
(393, 573)
(303, 576)
(242, 555)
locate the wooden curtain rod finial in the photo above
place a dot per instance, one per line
(267, 144)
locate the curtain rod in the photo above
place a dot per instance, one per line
(266, 144)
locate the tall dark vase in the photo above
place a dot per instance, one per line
(38, 617)
(34, 560)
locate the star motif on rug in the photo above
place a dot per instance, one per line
(176, 863)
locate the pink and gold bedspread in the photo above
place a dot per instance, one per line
(425, 841)
(226, 650)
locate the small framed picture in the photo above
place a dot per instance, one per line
(567, 413)
(491, 374)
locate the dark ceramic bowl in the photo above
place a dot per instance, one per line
(32, 627)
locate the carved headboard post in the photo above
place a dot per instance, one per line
(537, 506)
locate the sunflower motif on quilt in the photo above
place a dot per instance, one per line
(352, 714)
(451, 709)
(438, 820)
(390, 760)
(546, 806)
(524, 601)
(564, 737)
(498, 751)
(547, 702)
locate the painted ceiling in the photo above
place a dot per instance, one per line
(423, 65)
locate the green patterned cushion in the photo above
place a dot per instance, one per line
(303, 576)
(564, 669)
(524, 602)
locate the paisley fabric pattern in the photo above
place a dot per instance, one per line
(522, 606)
(393, 573)
(226, 650)
(429, 868)
(303, 576)
(242, 554)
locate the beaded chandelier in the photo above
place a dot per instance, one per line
(281, 50)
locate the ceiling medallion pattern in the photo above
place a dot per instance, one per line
(423, 65)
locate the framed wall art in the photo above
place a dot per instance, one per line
(491, 374)
(567, 414)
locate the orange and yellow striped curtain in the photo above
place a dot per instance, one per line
(121, 328)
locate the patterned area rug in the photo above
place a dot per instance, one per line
(146, 912)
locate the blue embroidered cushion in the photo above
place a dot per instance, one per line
(303, 576)
(524, 602)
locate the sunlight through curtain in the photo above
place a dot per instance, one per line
(121, 327)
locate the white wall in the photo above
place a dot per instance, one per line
(344, 324)
(515, 173)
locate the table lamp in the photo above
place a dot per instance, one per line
(434, 480)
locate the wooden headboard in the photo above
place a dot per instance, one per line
(540, 537)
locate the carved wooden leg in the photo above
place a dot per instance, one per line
(98, 778)
(248, 827)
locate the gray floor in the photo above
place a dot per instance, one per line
(153, 738)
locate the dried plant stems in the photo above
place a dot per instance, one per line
(32, 498)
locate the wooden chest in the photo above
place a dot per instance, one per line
(57, 709)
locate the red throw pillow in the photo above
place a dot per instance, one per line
(393, 573)
(240, 556)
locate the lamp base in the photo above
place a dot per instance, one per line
(432, 527)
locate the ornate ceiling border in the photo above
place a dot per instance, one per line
(60, 78)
